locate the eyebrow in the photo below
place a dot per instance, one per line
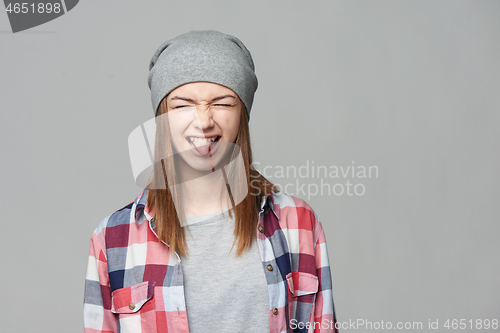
(192, 101)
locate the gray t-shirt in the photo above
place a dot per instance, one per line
(224, 293)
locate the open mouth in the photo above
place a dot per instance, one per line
(203, 145)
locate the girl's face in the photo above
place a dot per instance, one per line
(204, 119)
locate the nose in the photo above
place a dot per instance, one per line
(204, 118)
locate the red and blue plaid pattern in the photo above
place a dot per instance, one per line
(135, 284)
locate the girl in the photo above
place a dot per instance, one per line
(209, 245)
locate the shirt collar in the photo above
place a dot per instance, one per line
(139, 206)
(270, 202)
(267, 202)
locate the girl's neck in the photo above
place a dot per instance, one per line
(204, 195)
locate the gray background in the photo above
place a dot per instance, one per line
(409, 86)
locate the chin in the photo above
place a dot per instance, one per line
(205, 165)
(196, 163)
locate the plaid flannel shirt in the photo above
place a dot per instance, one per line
(135, 284)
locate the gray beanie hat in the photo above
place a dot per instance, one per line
(202, 56)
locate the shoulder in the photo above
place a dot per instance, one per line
(294, 212)
(286, 201)
(113, 225)
(298, 222)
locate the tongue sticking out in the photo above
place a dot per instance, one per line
(201, 147)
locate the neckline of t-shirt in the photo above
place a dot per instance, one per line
(208, 218)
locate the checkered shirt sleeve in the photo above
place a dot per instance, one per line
(97, 315)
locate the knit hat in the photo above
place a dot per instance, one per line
(202, 56)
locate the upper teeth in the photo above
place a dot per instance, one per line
(196, 139)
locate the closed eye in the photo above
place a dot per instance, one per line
(181, 106)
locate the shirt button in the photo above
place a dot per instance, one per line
(261, 229)
(269, 267)
(131, 306)
(275, 311)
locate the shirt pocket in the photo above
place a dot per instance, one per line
(134, 307)
(302, 283)
(302, 289)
